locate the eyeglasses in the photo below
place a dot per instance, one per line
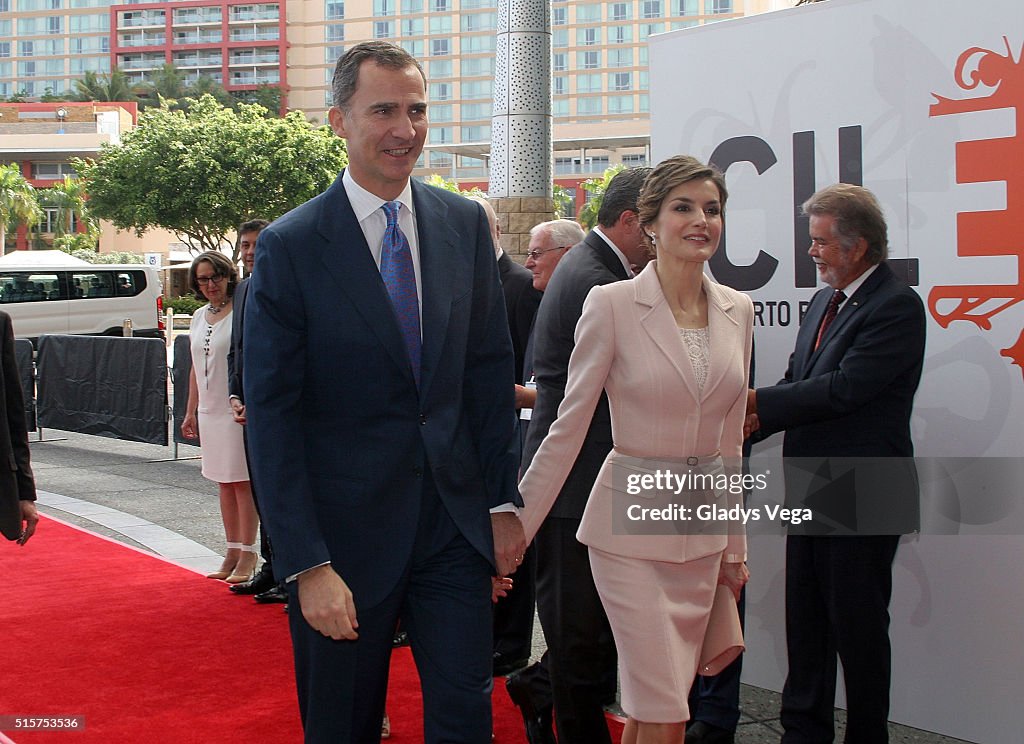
(534, 255)
(202, 281)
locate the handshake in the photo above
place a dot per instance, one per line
(751, 423)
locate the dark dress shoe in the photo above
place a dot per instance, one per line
(261, 582)
(505, 664)
(276, 593)
(400, 639)
(536, 719)
(702, 732)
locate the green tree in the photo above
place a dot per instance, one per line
(17, 202)
(206, 85)
(113, 87)
(563, 200)
(596, 187)
(69, 199)
(201, 172)
(167, 83)
(448, 184)
(267, 96)
(116, 257)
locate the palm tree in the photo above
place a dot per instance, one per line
(205, 84)
(113, 87)
(69, 199)
(17, 201)
(167, 83)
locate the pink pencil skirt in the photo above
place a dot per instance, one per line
(658, 612)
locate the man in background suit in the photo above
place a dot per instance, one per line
(581, 650)
(263, 586)
(381, 420)
(513, 615)
(18, 516)
(848, 393)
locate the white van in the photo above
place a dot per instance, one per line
(91, 300)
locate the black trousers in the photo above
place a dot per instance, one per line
(837, 604)
(581, 654)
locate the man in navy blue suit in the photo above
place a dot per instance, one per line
(379, 395)
(845, 405)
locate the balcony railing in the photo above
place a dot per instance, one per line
(250, 16)
(256, 59)
(253, 35)
(142, 41)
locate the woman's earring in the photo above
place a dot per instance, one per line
(653, 237)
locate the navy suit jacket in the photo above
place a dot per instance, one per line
(587, 265)
(342, 441)
(17, 483)
(850, 400)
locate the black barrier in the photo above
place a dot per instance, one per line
(23, 351)
(104, 385)
(179, 379)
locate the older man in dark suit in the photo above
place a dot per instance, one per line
(18, 517)
(845, 405)
(379, 396)
(581, 650)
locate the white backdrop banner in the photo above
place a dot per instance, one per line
(922, 101)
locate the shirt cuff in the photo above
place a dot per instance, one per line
(295, 576)
(508, 507)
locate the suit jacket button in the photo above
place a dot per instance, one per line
(417, 472)
(423, 420)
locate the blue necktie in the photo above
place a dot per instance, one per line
(400, 279)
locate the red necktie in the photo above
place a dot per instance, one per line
(830, 314)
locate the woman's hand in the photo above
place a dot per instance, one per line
(734, 576)
(189, 430)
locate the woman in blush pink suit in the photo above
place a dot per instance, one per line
(672, 350)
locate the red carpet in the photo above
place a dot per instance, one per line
(149, 652)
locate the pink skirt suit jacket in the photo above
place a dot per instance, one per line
(657, 589)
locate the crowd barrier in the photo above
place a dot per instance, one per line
(103, 385)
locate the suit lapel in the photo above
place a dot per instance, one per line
(605, 254)
(438, 244)
(348, 260)
(848, 310)
(657, 320)
(726, 335)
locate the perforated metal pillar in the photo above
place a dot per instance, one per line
(521, 121)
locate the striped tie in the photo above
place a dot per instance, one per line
(397, 272)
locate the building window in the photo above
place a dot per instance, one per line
(590, 83)
(620, 57)
(383, 29)
(80, 65)
(86, 23)
(440, 69)
(440, 91)
(560, 107)
(620, 104)
(441, 160)
(441, 25)
(440, 47)
(620, 35)
(5, 49)
(334, 32)
(474, 89)
(440, 6)
(334, 9)
(560, 38)
(588, 105)
(412, 6)
(52, 171)
(479, 21)
(29, 26)
(90, 45)
(332, 53)
(588, 60)
(560, 85)
(412, 27)
(440, 135)
(5, 7)
(645, 104)
(588, 36)
(619, 11)
(650, 9)
(560, 62)
(633, 159)
(471, 111)
(559, 16)
(715, 7)
(480, 133)
(478, 44)
(441, 113)
(620, 81)
(477, 66)
(383, 7)
(589, 13)
(687, 7)
(644, 75)
(415, 47)
(646, 29)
